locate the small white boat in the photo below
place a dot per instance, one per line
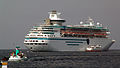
(93, 48)
(18, 57)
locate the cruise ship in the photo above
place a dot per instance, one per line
(54, 36)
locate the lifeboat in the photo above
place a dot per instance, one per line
(100, 34)
(76, 33)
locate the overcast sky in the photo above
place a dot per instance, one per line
(18, 16)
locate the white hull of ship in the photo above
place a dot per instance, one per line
(61, 45)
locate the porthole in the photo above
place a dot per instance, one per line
(30, 40)
(31, 43)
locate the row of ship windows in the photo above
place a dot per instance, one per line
(43, 35)
(33, 41)
(34, 35)
(36, 43)
(42, 28)
(39, 31)
(44, 32)
(47, 28)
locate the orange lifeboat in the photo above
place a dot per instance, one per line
(101, 34)
(76, 33)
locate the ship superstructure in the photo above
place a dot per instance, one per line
(54, 36)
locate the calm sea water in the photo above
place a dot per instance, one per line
(107, 59)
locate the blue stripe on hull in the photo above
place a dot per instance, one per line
(73, 42)
(55, 39)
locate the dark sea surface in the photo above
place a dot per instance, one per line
(106, 59)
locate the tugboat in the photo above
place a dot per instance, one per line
(17, 55)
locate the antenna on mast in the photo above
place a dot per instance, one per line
(90, 21)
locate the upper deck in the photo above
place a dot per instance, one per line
(53, 27)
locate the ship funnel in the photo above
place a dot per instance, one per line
(55, 19)
(54, 15)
